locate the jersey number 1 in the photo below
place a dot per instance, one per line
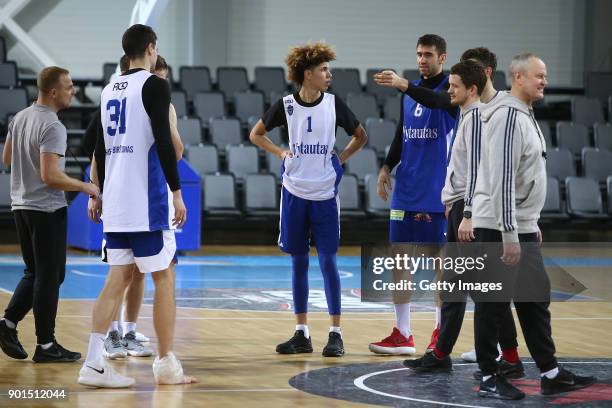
(116, 110)
(309, 124)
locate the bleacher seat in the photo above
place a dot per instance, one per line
(275, 135)
(225, 131)
(553, 207)
(11, 102)
(260, 196)
(572, 136)
(559, 163)
(374, 204)
(392, 108)
(603, 136)
(348, 193)
(242, 160)
(270, 79)
(8, 74)
(586, 111)
(380, 133)
(584, 198)
(108, 69)
(596, 164)
(411, 74)
(220, 195)
(362, 163)
(208, 105)
(380, 92)
(231, 80)
(342, 139)
(545, 129)
(190, 130)
(179, 101)
(5, 190)
(194, 80)
(275, 96)
(203, 158)
(273, 163)
(499, 81)
(363, 106)
(345, 81)
(248, 104)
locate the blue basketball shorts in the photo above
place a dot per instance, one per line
(403, 227)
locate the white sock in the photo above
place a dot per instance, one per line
(128, 327)
(402, 318)
(486, 377)
(304, 328)
(46, 345)
(335, 329)
(438, 317)
(550, 374)
(95, 348)
(9, 324)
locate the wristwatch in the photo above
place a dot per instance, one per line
(467, 215)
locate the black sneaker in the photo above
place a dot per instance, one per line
(498, 387)
(564, 381)
(9, 342)
(55, 354)
(429, 363)
(335, 346)
(297, 344)
(506, 370)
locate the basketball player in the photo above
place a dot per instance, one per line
(137, 168)
(123, 341)
(417, 213)
(311, 172)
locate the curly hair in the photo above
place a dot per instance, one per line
(305, 57)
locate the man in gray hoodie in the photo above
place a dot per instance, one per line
(510, 193)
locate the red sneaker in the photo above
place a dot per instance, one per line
(434, 339)
(396, 343)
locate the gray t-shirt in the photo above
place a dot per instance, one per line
(33, 131)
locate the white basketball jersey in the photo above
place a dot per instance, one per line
(136, 196)
(314, 171)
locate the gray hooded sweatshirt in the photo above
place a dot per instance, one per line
(511, 185)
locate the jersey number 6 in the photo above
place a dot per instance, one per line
(116, 110)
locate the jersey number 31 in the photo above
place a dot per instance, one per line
(116, 111)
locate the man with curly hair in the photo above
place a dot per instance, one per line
(311, 171)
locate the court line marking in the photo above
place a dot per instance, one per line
(359, 382)
(343, 275)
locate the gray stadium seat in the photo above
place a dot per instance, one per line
(342, 139)
(12, 101)
(8, 74)
(108, 69)
(190, 130)
(598, 84)
(225, 131)
(242, 160)
(603, 136)
(345, 81)
(208, 105)
(499, 81)
(587, 111)
(374, 204)
(559, 163)
(260, 195)
(596, 164)
(348, 193)
(553, 207)
(5, 190)
(275, 96)
(203, 158)
(231, 80)
(248, 104)
(572, 136)
(179, 100)
(220, 195)
(380, 92)
(392, 108)
(363, 106)
(411, 74)
(380, 133)
(609, 188)
(194, 80)
(584, 198)
(545, 129)
(275, 135)
(362, 163)
(273, 164)
(270, 79)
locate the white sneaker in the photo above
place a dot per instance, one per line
(142, 338)
(168, 370)
(101, 374)
(469, 356)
